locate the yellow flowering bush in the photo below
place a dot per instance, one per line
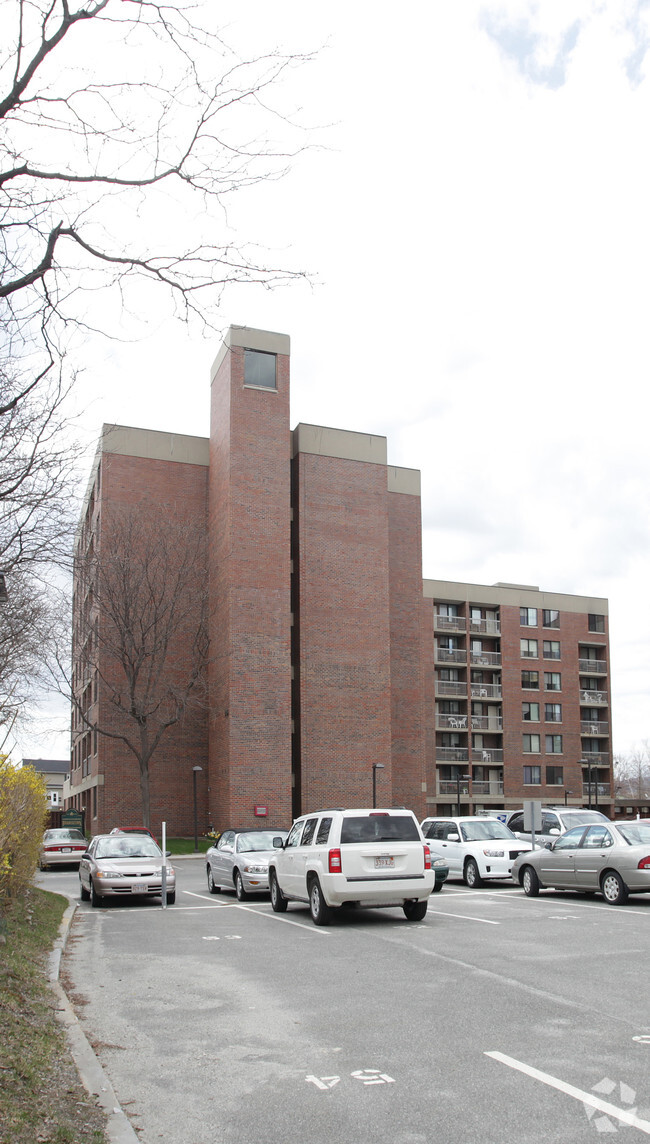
(23, 813)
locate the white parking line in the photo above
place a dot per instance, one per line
(260, 913)
(463, 917)
(620, 1114)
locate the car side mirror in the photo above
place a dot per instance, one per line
(168, 853)
(548, 845)
(86, 854)
(453, 838)
(278, 843)
(555, 830)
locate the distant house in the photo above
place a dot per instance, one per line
(54, 772)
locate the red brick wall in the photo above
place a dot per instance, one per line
(343, 665)
(249, 512)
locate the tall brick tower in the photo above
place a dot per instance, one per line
(250, 579)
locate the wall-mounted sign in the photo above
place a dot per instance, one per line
(261, 811)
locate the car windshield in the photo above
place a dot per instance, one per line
(636, 833)
(379, 828)
(259, 840)
(139, 846)
(63, 835)
(479, 831)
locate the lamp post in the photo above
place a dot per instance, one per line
(566, 795)
(195, 771)
(459, 779)
(375, 767)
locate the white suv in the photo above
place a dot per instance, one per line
(353, 858)
(475, 847)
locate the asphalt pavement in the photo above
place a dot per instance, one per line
(497, 1019)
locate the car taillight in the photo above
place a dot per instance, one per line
(644, 864)
(427, 858)
(334, 864)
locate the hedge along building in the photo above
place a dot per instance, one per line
(326, 651)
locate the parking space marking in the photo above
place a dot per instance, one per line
(588, 1098)
(463, 917)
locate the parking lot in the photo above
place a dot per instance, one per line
(497, 1018)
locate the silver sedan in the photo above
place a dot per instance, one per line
(124, 865)
(239, 861)
(607, 858)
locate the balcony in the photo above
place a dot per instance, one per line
(452, 754)
(486, 658)
(451, 688)
(600, 790)
(593, 666)
(587, 727)
(487, 723)
(485, 690)
(487, 755)
(596, 758)
(595, 697)
(451, 722)
(445, 655)
(449, 787)
(487, 627)
(449, 623)
(492, 789)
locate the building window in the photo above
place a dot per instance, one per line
(551, 649)
(552, 681)
(449, 674)
(447, 609)
(555, 776)
(553, 712)
(531, 745)
(528, 649)
(596, 623)
(553, 744)
(528, 617)
(532, 776)
(551, 618)
(530, 680)
(259, 369)
(530, 712)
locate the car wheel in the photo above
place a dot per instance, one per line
(212, 885)
(415, 911)
(437, 887)
(239, 888)
(321, 913)
(278, 901)
(614, 889)
(95, 898)
(171, 898)
(84, 894)
(530, 882)
(472, 876)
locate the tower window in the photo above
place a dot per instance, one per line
(259, 369)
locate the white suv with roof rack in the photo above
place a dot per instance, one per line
(367, 858)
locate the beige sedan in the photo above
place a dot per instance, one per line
(61, 846)
(124, 866)
(605, 858)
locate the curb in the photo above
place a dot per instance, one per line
(91, 1072)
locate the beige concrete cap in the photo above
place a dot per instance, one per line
(155, 445)
(266, 340)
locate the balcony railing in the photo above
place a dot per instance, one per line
(486, 658)
(485, 690)
(451, 722)
(449, 623)
(450, 787)
(447, 655)
(600, 789)
(452, 754)
(492, 789)
(450, 687)
(488, 627)
(589, 727)
(487, 755)
(593, 666)
(596, 758)
(487, 723)
(593, 697)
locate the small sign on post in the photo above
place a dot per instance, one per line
(533, 818)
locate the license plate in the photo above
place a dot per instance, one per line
(66, 849)
(139, 888)
(382, 863)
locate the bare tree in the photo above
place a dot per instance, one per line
(24, 617)
(632, 772)
(140, 651)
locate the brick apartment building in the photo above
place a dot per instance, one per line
(329, 655)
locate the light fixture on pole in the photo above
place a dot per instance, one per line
(459, 779)
(566, 794)
(195, 771)
(375, 767)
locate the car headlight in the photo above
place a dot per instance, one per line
(439, 862)
(108, 874)
(168, 870)
(258, 869)
(494, 853)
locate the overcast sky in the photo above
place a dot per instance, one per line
(475, 219)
